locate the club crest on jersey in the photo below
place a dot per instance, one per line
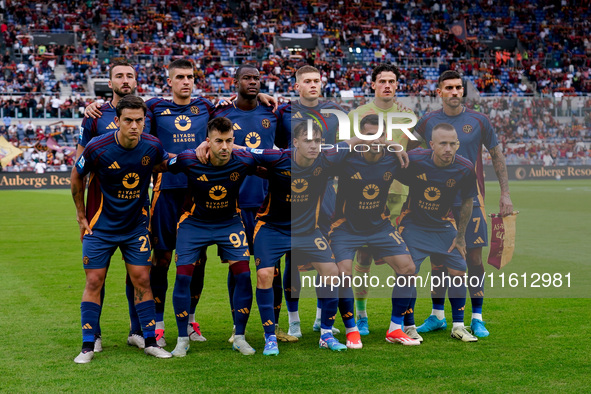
(253, 140)
(450, 182)
(317, 171)
(371, 191)
(194, 110)
(467, 128)
(217, 192)
(387, 176)
(86, 260)
(299, 185)
(432, 193)
(234, 176)
(131, 180)
(182, 123)
(266, 123)
(145, 160)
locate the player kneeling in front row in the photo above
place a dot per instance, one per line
(212, 218)
(123, 162)
(436, 176)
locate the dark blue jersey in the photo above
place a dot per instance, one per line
(362, 194)
(433, 189)
(294, 113)
(254, 129)
(179, 127)
(124, 177)
(213, 189)
(276, 209)
(474, 130)
(105, 124)
(308, 185)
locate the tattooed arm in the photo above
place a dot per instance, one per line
(459, 242)
(498, 160)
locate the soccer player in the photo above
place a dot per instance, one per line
(362, 218)
(384, 81)
(255, 126)
(474, 130)
(309, 87)
(180, 123)
(212, 217)
(123, 162)
(436, 177)
(122, 80)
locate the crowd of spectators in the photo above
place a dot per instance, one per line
(553, 54)
(552, 59)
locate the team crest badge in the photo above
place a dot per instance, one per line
(145, 160)
(450, 183)
(387, 176)
(234, 176)
(266, 123)
(194, 110)
(257, 261)
(467, 129)
(86, 260)
(317, 171)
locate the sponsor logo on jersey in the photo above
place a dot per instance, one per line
(297, 115)
(299, 185)
(356, 176)
(203, 178)
(478, 241)
(422, 177)
(131, 180)
(165, 112)
(257, 151)
(182, 123)
(253, 140)
(217, 192)
(432, 193)
(371, 191)
(236, 127)
(114, 166)
(112, 126)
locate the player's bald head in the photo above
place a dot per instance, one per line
(444, 130)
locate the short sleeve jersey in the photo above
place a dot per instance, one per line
(474, 130)
(179, 127)
(397, 135)
(308, 185)
(213, 189)
(433, 189)
(254, 129)
(362, 195)
(124, 178)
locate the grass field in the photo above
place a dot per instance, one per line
(537, 343)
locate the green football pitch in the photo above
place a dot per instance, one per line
(540, 336)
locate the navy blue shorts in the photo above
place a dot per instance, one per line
(167, 207)
(249, 218)
(270, 244)
(310, 248)
(98, 247)
(423, 242)
(195, 235)
(476, 231)
(384, 242)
